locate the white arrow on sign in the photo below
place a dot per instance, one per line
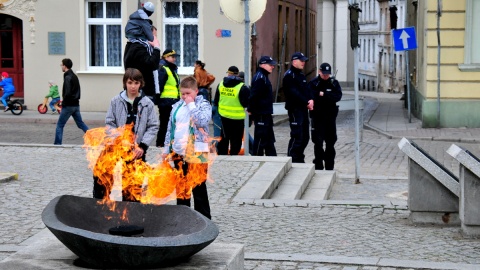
(404, 37)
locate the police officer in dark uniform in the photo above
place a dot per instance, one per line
(260, 106)
(326, 92)
(298, 101)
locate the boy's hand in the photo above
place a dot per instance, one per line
(137, 152)
(188, 99)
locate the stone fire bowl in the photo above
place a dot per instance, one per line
(172, 233)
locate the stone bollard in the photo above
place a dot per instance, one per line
(469, 188)
(433, 191)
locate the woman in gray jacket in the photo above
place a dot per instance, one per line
(129, 107)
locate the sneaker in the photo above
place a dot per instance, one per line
(53, 112)
(6, 109)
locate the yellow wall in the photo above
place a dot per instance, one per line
(455, 84)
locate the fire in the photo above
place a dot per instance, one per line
(157, 183)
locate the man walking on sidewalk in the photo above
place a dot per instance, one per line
(70, 101)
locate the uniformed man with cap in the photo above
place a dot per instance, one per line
(231, 98)
(260, 106)
(326, 92)
(168, 91)
(298, 101)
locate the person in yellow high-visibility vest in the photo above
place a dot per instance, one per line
(231, 98)
(168, 91)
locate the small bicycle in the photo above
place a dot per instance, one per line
(15, 106)
(42, 108)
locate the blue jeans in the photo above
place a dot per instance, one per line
(4, 99)
(65, 114)
(52, 103)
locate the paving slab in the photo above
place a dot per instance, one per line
(48, 253)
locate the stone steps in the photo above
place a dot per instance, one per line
(278, 179)
(320, 186)
(295, 182)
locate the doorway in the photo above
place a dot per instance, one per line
(11, 50)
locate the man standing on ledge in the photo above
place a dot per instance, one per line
(70, 101)
(298, 101)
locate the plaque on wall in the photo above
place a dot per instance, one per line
(56, 43)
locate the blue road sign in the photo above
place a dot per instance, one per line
(404, 39)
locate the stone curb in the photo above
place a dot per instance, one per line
(49, 120)
(269, 203)
(363, 261)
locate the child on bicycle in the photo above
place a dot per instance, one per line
(53, 93)
(8, 89)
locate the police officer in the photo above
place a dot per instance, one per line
(260, 106)
(326, 92)
(231, 98)
(169, 92)
(298, 101)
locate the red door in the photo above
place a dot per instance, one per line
(11, 50)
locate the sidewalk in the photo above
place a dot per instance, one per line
(33, 116)
(352, 235)
(391, 119)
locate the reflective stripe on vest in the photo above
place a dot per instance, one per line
(229, 105)
(170, 90)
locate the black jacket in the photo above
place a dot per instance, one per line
(71, 89)
(261, 97)
(325, 107)
(232, 81)
(295, 89)
(137, 56)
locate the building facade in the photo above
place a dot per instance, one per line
(37, 34)
(445, 76)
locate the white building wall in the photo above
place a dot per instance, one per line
(333, 38)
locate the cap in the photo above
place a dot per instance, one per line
(169, 52)
(266, 60)
(51, 82)
(149, 6)
(299, 56)
(233, 70)
(326, 68)
(5, 74)
(241, 74)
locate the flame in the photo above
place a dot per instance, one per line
(157, 183)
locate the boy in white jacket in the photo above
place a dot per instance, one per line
(187, 143)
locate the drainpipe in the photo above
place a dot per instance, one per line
(334, 57)
(439, 14)
(307, 38)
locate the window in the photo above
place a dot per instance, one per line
(472, 37)
(104, 34)
(180, 32)
(374, 52)
(369, 50)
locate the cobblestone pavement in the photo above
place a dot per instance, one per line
(341, 230)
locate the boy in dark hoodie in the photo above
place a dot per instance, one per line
(231, 98)
(139, 26)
